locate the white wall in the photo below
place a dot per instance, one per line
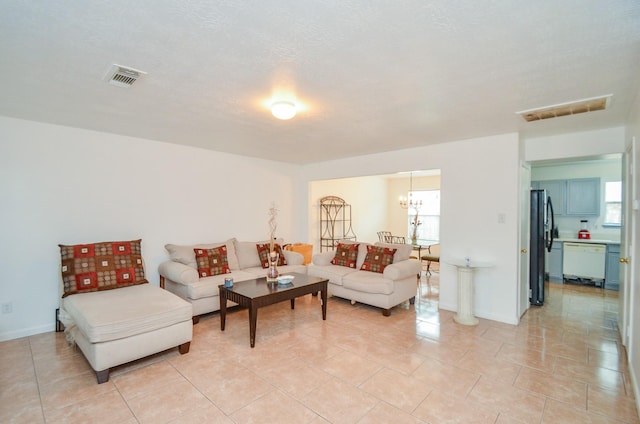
(575, 145)
(68, 186)
(479, 180)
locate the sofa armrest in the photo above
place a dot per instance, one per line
(177, 272)
(293, 258)
(323, 258)
(402, 269)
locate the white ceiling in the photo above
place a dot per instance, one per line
(370, 76)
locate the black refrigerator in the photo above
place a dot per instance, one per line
(541, 239)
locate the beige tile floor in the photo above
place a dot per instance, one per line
(562, 364)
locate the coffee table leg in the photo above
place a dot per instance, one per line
(293, 303)
(324, 302)
(253, 320)
(223, 309)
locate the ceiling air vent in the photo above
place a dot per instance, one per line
(565, 109)
(123, 76)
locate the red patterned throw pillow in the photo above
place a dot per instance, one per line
(212, 261)
(377, 258)
(346, 255)
(263, 252)
(101, 266)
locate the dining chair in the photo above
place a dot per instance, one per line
(430, 257)
(384, 236)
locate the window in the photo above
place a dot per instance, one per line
(613, 203)
(428, 215)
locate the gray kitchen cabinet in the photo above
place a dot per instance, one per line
(554, 261)
(612, 268)
(583, 197)
(556, 190)
(574, 197)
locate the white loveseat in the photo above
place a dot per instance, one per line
(179, 274)
(395, 285)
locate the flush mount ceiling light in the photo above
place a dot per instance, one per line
(283, 110)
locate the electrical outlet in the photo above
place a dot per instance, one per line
(7, 308)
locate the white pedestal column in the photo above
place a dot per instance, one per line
(465, 297)
(466, 268)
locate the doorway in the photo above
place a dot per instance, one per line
(587, 213)
(375, 207)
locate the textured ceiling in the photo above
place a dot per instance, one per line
(370, 76)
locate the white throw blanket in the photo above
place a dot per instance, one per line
(69, 325)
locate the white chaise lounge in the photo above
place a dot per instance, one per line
(112, 313)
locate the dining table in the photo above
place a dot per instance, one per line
(424, 244)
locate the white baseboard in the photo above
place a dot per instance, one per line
(26, 332)
(634, 383)
(448, 307)
(499, 318)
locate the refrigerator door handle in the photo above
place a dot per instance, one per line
(553, 224)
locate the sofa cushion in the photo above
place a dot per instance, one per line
(264, 250)
(259, 272)
(368, 282)
(212, 261)
(362, 251)
(248, 254)
(126, 312)
(185, 254)
(403, 251)
(346, 255)
(377, 258)
(101, 266)
(323, 258)
(293, 258)
(335, 274)
(208, 286)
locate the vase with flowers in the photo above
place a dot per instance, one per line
(415, 222)
(272, 273)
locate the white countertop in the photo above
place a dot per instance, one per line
(576, 240)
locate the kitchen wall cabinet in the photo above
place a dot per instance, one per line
(574, 197)
(612, 268)
(554, 262)
(556, 189)
(583, 197)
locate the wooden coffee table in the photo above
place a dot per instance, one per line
(257, 293)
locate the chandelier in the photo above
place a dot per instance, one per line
(410, 203)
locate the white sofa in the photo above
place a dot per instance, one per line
(179, 274)
(395, 285)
